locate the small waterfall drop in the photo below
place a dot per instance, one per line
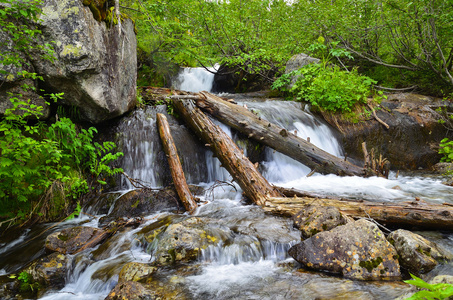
(195, 79)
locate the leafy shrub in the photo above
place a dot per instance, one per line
(446, 148)
(327, 87)
(431, 291)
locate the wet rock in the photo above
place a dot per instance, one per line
(135, 271)
(72, 240)
(442, 279)
(357, 250)
(443, 167)
(413, 130)
(143, 202)
(130, 290)
(182, 242)
(49, 271)
(315, 218)
(416, 254)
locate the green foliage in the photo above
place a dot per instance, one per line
(75, 213)
(446, 148)
(27, 284)
(35, 160)
(431, 291)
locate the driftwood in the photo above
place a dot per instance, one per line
(177, 172)
(418, 214)
(276, 137)
(254, 185)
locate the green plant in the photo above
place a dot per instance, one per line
(446, 148)
(27, 283)
(431, 291)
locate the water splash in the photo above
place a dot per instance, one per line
(195, 79)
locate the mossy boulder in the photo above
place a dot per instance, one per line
(135, 271)
(313, 219)
(130, 290)
(416, 254)
(357, 250)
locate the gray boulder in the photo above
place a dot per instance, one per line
(416, 254)
(315, 218)
(94, 66)
(298, 61)
(357, 250)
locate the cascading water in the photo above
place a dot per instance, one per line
(250, 259)
(195, 79)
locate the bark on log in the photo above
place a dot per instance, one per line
(276, 137)
(417, 214)
(254, 185)
(177, 172)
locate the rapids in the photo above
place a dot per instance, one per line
(254, 263)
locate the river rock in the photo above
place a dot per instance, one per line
(93, 65)
(357, 250)
(135, 271)
(416, 254)
(183, 241)
(143, 202)
(49, 271)
(315, 218)
(71, 240)
(412, 140)
(130, 290)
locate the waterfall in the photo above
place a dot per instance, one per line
(195, 79)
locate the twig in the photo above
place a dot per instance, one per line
(377, 118)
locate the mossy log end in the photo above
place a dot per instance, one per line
(416, 214)
(176, 170)
(276, 137)
(254, 185)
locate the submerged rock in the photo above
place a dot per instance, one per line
(416, 254)
(315, 218)
(71, 240)
(357, 250)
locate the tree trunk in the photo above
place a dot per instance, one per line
(177, 172)
(418, 214)
(254, 185)
(276, 137)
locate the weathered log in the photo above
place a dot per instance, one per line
(276, 137)
(176, 170)
(254, 185)
(418, 214)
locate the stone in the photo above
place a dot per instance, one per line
(130, 290)
(315, 218)
(50, 271)
(93, 66)
(298, 61)
(71, 240)
(183, 241)
(135, 271)
(357, 250)
(416, 254)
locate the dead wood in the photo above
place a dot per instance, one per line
(176, 170)
(416, 214)
(254, 185)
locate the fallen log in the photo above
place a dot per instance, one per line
(177, 172)
(416, 214)
(254, 185)
(276, 137)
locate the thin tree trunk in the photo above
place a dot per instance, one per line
(177, 172)
(418, 214)
(254, 185)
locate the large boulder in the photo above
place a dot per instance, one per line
(357, 250)
(298, 61)
(414, 130)
(135, 271)
(416, 254)
(130, 290)
(50, 271)
(72, 240)
(94, 66)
